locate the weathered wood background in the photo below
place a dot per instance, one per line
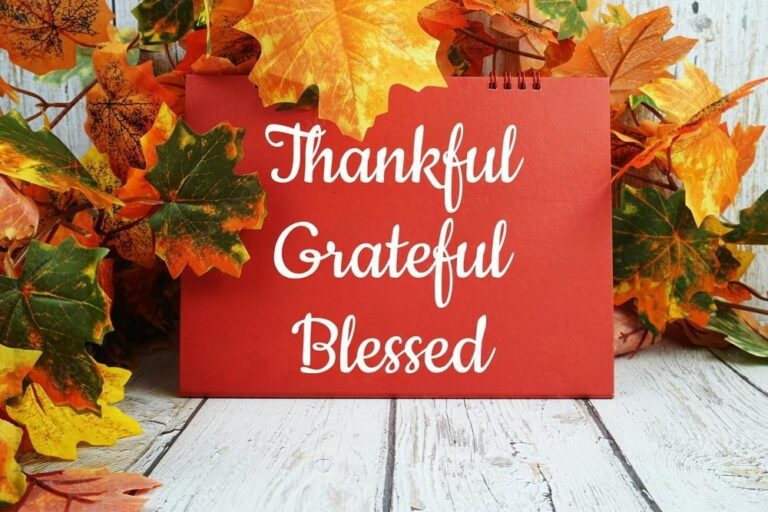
(686, 431)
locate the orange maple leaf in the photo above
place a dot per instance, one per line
(86, 489)
(122, 107)
(231, 52)
(699, 150)
(41, 35)
(6, 89)
(353, 50)
(18, 213)
(440, 16)
(630, 56)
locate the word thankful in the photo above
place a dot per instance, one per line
(443, 170)
(392, 355)
(420, 260)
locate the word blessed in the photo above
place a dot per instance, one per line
(386, 259)
(354, 165)
(391, 355)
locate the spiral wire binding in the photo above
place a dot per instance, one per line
(522, 82)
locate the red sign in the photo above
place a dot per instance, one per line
(463, 249)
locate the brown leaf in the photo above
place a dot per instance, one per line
(41, 35)
(122, 107)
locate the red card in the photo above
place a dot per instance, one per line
(396, 267)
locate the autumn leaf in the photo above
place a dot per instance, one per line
(630, 56)
(122, 107)
(56, 430)
(353, 50)
(703, 155)
(133, 240)
(41, 158)
(472, 51)
(7, 90)
(83, 68)
(741, 329)
(744, 139)
(492, 7)
(13, 483)
(56, 306)
(616, 16)
(531, 37)
(662, 259)
(164, 21)
(440, 16)
(205, 205)
(569, 12)
(84, 489)
(18, 213)
(231, 51)
(139, 195)
(753, 224)
(15, 364)
(41, 35)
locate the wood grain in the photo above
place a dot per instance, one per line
(152, 399)
(692, 429)
(506, 455)
(263, 455)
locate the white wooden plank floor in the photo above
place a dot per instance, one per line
(686, 431)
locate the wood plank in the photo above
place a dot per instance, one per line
(692, 429)
(752, 369)
(255, 455)
(506, 455)
(151, 398)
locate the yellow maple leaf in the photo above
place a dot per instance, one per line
(56, 430)
(13, 483)
(703, 155)
(353, 50)
(15, 364)
(629, 56)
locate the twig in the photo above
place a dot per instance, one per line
(742, 307)
(653, 111)
(498, 46)
(751, 290)
(168, 56)
(651, 181)
(29, 93)
(72, 103)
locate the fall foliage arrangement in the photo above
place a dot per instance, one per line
(91, 244)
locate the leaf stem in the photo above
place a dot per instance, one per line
(742, 307)
(498, 46)
(72, 103)
(31, 94)
(751, 290)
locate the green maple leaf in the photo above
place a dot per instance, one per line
(164, 21)
(569, 14)
(739, 332)
(664, 260)
(753, 224)
(56, 305)
(40, 157)
(205, 203)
